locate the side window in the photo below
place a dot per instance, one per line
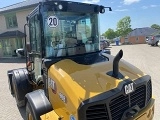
(32, 34)
(137, 39)
(126, 40)
(35, 38)
(11, 21)
(38, 35)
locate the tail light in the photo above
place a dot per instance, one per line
(152, 37)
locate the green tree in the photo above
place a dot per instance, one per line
(155, 26)
(110, 34)
(124, 26)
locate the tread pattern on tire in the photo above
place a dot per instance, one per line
(21, 86)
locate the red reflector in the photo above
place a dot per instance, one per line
(28, 64)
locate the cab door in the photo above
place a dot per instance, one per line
(35, 55)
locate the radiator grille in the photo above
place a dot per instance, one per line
(118, 106)
(149, 91)
(97, 112)
(138, 97)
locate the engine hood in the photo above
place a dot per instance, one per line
(90, 80)
(74, 83)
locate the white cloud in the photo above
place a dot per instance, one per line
(153, 6)
(129, 2)
(121, 10)
(91, 1)
(144, 7)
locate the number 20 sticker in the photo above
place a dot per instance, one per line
(52, 21)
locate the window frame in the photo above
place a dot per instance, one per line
(11, 16)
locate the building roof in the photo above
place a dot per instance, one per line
(156, 33)
(20, 5)
(15, 33)
(146, 31)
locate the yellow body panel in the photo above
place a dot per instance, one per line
(50, 116)
(76, 83)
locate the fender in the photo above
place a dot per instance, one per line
(38, 102)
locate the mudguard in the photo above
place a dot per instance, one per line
(21, 85)
(39, 103)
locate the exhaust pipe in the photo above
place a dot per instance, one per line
(116, 64)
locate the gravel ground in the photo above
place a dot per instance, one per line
(142, 56)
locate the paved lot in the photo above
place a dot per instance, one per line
(8, 107)
(143, 56)
(147, 59)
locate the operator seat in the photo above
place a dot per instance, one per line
(80, 48)
(71, 44)
(61, 50)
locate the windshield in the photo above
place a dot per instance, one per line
(68, 33)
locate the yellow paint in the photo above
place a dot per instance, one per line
(30, 117)
(78, 82)
(50, 116)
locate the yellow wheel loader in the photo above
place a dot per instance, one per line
(68, 77)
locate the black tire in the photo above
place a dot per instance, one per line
(21, 86)
(9, 73)
(156, 43)
(29, 113)
(37, 104)
(20, 103)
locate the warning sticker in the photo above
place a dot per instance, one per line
(52, 21)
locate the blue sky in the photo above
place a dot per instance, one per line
(143, 13)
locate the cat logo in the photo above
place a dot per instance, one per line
(128, 88)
